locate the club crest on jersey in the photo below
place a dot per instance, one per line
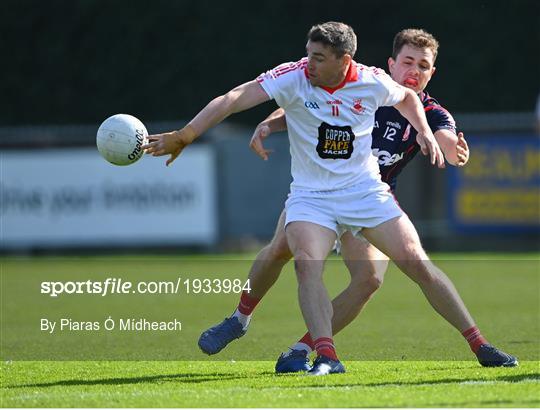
(335, 142)
(357, 107)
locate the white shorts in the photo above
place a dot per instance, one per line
(349, 209)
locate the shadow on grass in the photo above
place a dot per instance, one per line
(513, 379)
(211, 377)
(182, 377)
(519, 378)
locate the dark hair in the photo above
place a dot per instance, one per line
(415, 37)
(337, 35)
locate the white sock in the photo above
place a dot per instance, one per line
(299, 346)
(243, 319)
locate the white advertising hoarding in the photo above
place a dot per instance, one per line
(73, 197)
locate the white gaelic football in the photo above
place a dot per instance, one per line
(119, 139)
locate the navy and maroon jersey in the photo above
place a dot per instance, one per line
(394, 139)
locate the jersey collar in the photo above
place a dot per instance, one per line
(424, 96)
(351, 76)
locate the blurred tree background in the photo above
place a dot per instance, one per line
(80, 61)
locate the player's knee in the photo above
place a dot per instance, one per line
(366, 283)
(278, 250)
(367, 274)
(374, 283)
(307, 269)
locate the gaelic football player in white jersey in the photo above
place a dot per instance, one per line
(412, 64)
(336, 184)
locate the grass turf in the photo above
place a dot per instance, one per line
(253, 384)
(397, 353)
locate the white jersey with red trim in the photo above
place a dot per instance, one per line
(330, 129)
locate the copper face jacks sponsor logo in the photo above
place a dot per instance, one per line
(335, 142)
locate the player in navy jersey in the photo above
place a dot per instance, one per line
(394, 144)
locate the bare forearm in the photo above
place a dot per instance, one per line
(215, 112)
(276, 121)
(454, 147)
(238, 99)
(447, 140)
(411, 108)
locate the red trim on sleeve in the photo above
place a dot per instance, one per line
(302, 64)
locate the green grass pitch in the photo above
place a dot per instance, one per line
(398, 352)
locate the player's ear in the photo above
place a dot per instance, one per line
(433, 69)
(391, 63)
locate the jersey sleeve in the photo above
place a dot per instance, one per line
(440, 119)
(390, 93)
(281, 83)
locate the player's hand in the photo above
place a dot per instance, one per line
(462, 150)
(256, 144)
(429, 146)
(169, 143)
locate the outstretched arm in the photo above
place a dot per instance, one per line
(275, 122)
(411, 108)
(454, 147)
(238, 99)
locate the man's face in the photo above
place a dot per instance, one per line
(324, 68)
(413, 67)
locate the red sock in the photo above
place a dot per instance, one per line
(306, 339)
(474, 338)
(247, 303)
(325, 347)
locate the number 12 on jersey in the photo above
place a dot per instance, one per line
(389, 133)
